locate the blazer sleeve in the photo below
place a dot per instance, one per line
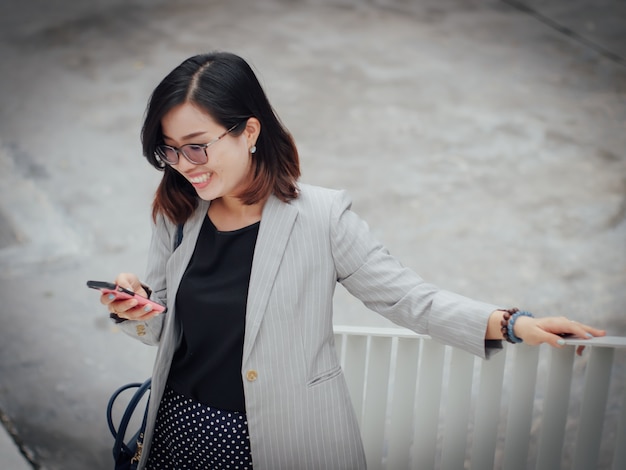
(368, 271)
(161, 247)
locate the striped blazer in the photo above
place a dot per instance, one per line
(298, 408)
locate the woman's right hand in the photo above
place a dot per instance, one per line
(128, 309)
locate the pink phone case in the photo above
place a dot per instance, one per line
(124, 294)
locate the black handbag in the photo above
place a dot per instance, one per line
(126, 454)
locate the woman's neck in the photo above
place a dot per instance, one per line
(231, 214)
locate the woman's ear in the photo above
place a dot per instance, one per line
(252, 131)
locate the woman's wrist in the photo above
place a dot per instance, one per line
(504, 325)
(519, 325)
(493, 326)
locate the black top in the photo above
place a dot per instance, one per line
(211, 306)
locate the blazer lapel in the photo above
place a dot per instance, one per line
(276, 225)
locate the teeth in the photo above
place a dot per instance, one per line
(200, 179)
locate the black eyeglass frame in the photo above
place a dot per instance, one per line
(160, 154)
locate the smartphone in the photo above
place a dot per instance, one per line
(124, 294)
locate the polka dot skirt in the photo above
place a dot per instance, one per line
(190, 435)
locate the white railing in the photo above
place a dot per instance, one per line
(424, 405)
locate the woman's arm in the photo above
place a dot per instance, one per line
(370, 273)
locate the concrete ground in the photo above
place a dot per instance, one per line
(484, 144)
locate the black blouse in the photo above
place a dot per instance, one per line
(211, 306)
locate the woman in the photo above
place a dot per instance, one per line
(246, 372)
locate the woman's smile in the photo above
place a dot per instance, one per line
(200, 181)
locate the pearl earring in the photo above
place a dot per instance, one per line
(253, 149)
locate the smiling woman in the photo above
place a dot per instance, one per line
(247, 373)
(191, 92)
(226, 175)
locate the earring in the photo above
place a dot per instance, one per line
(253, 149)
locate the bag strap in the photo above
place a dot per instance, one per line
(120, 432)
(179, 236)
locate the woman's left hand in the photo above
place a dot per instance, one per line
(551, 330)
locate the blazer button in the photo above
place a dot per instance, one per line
(141, 330)
(252, 375)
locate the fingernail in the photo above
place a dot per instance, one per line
(111, 296)
(560, 342)
(147, 308)
(589, 335)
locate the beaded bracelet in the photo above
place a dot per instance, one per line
(508, 323)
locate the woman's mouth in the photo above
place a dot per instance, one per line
(203, 178)
(200, 181)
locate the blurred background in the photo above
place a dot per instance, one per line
(483, 141)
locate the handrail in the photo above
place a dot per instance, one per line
(421, 404)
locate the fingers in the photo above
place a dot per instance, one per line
(127, 281)
(107, 299)
(131, 282)
(554, 330)
(130, 310)
(558, 341)
(565, 327)
(121, 306)
(576, 329)
(592, 331)
(582, 331)
(552, 339)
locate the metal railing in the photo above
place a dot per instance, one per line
(424, 405)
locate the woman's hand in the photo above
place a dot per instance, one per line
(128, 309)
(551, 330)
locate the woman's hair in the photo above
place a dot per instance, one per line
(225, 87)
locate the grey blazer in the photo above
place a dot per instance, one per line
(298, 408)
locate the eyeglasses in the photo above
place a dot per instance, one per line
(195, 153)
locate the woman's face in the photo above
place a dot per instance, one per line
(227, 170)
